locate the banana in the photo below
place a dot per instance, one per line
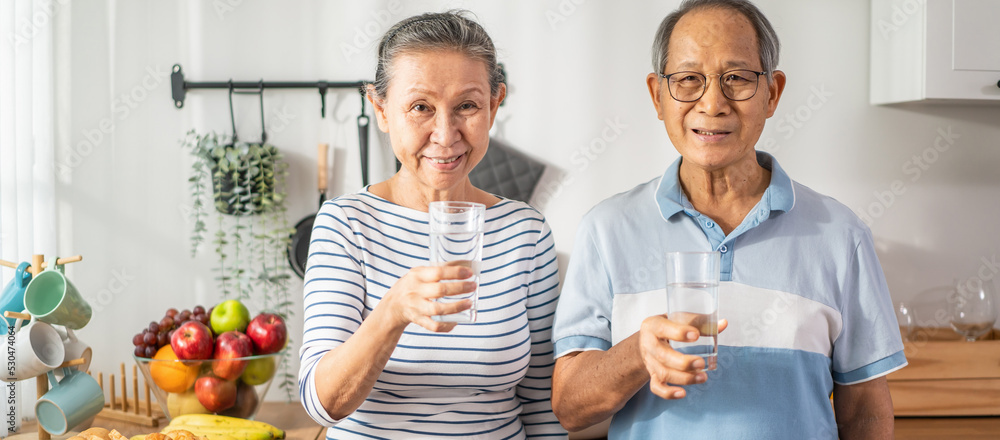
(238, 433)
(212, 420)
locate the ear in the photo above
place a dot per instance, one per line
(495, 102)
(653, 83)
(774, 89)
(379, 106)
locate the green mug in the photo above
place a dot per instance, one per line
(51, 298)
(71, 401)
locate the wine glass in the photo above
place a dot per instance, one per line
(973, 309)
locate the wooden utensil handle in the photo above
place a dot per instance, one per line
(66, 260)
(321, 166)
(6, 263)
(16, 315)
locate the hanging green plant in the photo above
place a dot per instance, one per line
(245, 183)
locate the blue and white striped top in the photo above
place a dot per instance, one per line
(490, 380)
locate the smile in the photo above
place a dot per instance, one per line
(444, 160)
(709, 133)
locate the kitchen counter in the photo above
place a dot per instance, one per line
(298, 426)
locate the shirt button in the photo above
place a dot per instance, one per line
(723, 249)
(762, 214)
(709, 224)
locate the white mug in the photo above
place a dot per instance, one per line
(74, 348)
(37, 349)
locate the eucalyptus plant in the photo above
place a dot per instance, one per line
(245, 183)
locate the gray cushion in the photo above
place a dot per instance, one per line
(507, 172)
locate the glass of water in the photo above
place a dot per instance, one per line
(693, 299)
(457, 240)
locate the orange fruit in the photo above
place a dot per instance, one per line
(170, 374)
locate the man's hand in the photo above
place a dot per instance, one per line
(666, 366)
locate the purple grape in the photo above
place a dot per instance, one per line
(166, 323)
(197, 310)
(150, 351)
(137, 339)
(140, 351)
(154, 327)
(162, 339)
(183, 316)
(149, 338)
(171, 312)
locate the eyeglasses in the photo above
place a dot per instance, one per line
(737, 85)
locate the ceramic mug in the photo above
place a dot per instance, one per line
(51, 298)
(37, 348)
(70, 401)
(75, 349)
(12, 299)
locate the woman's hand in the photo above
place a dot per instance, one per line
(412, 298)
(666, 366)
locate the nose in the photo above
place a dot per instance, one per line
(445, 132)
(713, 102)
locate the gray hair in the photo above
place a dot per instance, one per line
(767, 39)
(450, 30)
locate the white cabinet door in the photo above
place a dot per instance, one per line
(935, 51)
(963, 49)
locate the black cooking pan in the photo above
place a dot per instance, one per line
(298, 249)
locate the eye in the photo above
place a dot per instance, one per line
(738, 78)
(467, 107)
(420, 108)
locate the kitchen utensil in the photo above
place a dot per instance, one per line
(363, 140)
(298, 248)
(456, 239)
(693, 299)
(51, 298)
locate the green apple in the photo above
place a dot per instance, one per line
(184, 403)
(229, 315)
(259, 371)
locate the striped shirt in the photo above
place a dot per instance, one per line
(489, 380)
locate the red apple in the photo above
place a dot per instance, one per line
(268, 333)
(192, 340)
(230, 345)
(215, 394)
(246, 402)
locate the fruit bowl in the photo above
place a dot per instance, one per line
(233, 387)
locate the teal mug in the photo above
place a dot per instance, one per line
(12, 299)
(51, 298)
(71, 401)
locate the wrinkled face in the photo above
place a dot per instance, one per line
(438, 112)
(714, 132)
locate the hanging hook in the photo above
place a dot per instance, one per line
(322, 98)
(232, 117)
(263, 129)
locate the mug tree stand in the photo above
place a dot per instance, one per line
(38, 264)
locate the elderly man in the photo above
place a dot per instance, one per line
(807, 306)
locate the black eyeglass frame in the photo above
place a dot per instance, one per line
(705, 87)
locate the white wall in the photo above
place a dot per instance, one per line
(572, 68)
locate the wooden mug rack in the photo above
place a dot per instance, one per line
(38, 264)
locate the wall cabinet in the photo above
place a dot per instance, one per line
(935, 51)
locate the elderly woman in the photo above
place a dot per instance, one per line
(374, 362)
(808, 309)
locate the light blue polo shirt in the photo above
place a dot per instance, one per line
(801, 287)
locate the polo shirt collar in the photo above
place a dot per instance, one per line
(779, 195)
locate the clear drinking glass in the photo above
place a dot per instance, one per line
(693, 299)
(973, 308)
(457, 239)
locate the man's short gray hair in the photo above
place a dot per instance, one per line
(451, 30)
(767, 39)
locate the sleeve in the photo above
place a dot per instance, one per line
(583, 318)
(869, 345)
(334, 291)
(535, 390)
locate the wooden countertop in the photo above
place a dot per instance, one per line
(290, 417)
(298, 426)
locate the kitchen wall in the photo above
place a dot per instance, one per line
(577, 101)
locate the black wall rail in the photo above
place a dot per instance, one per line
(180, 87)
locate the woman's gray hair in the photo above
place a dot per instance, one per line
(767, 39)
(451, 30)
